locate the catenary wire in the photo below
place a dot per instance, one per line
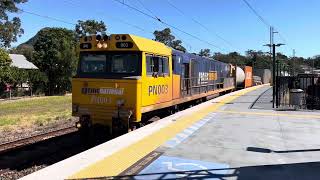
(201, 25)
(169, 25)
(176, 35)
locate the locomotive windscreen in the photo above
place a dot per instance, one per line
(110, 64)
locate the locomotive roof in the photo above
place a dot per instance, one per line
(148, 45)
(114, 42)
(187, 56)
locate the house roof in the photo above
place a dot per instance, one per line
(21, 62)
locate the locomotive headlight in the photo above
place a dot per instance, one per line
(105, 45)
(105, 37)
(99, 45)
(120, 102)
(75, 108)
(98, 37)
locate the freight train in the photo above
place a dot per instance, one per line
(124, 80)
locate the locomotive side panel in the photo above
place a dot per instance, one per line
(157, 79)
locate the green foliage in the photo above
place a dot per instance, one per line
(261, 60)
(37, 81)
(164, 36)
(177, 44)
(313, 62)
(258, 59)
(90, 27)
(17, 76)
(10, 29)
(4, 58)
(317, 62)
(24, 49)
(55, 55)
(5, 62)
(168, 39)
(205, 52)
(232, 58)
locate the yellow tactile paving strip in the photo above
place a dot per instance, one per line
(116, 163)
(303, 116)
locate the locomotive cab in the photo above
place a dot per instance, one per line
(108, 88)
(124, 81)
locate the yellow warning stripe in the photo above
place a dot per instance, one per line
(116, 163)
(271, 114)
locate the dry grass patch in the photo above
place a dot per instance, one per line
(34, 111)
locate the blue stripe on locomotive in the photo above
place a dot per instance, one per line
(199, 64)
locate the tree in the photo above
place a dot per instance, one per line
(87, 27)
(177, 44)
(168, 39)
(55, 55)
(164, 36)
(205, 52)
(10, 29)
(24, 49)
(232, 58)
(4, 58)
(316, 61)
(5, 62)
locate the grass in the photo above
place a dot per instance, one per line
(34, 111)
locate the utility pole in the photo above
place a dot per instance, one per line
(293, 63)
(273, 73)
(273, 57)
(274, 70)
(271, 42)
(313, 65)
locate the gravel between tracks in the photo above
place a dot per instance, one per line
(23, 132)
(14, 174)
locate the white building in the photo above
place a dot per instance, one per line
(21, 62)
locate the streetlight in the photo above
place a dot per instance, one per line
(274, 69)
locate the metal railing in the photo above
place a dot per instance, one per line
(195, 85)
(302, 91)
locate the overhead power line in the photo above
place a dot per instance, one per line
(285, 41)
(70, 2)
(167, 24)
(46, 17)
(146, 8)
(70, 23)
(176, 35)
(201, 25)
(264, 21)
(257, 14)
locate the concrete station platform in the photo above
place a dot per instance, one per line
(230, 137)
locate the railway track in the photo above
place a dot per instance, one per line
(12, 145)
(24, 156)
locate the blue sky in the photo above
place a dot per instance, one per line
(296, 20)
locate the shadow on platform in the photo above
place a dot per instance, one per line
(263, 150)
(297, 171)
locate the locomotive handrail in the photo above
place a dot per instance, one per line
(196, 85)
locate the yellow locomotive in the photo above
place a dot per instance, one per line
(123, 80)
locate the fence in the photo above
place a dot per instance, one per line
(15, 92)
(302, 91)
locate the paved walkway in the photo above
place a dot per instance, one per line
(236, 142)
(222, 138)
(264, 100)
